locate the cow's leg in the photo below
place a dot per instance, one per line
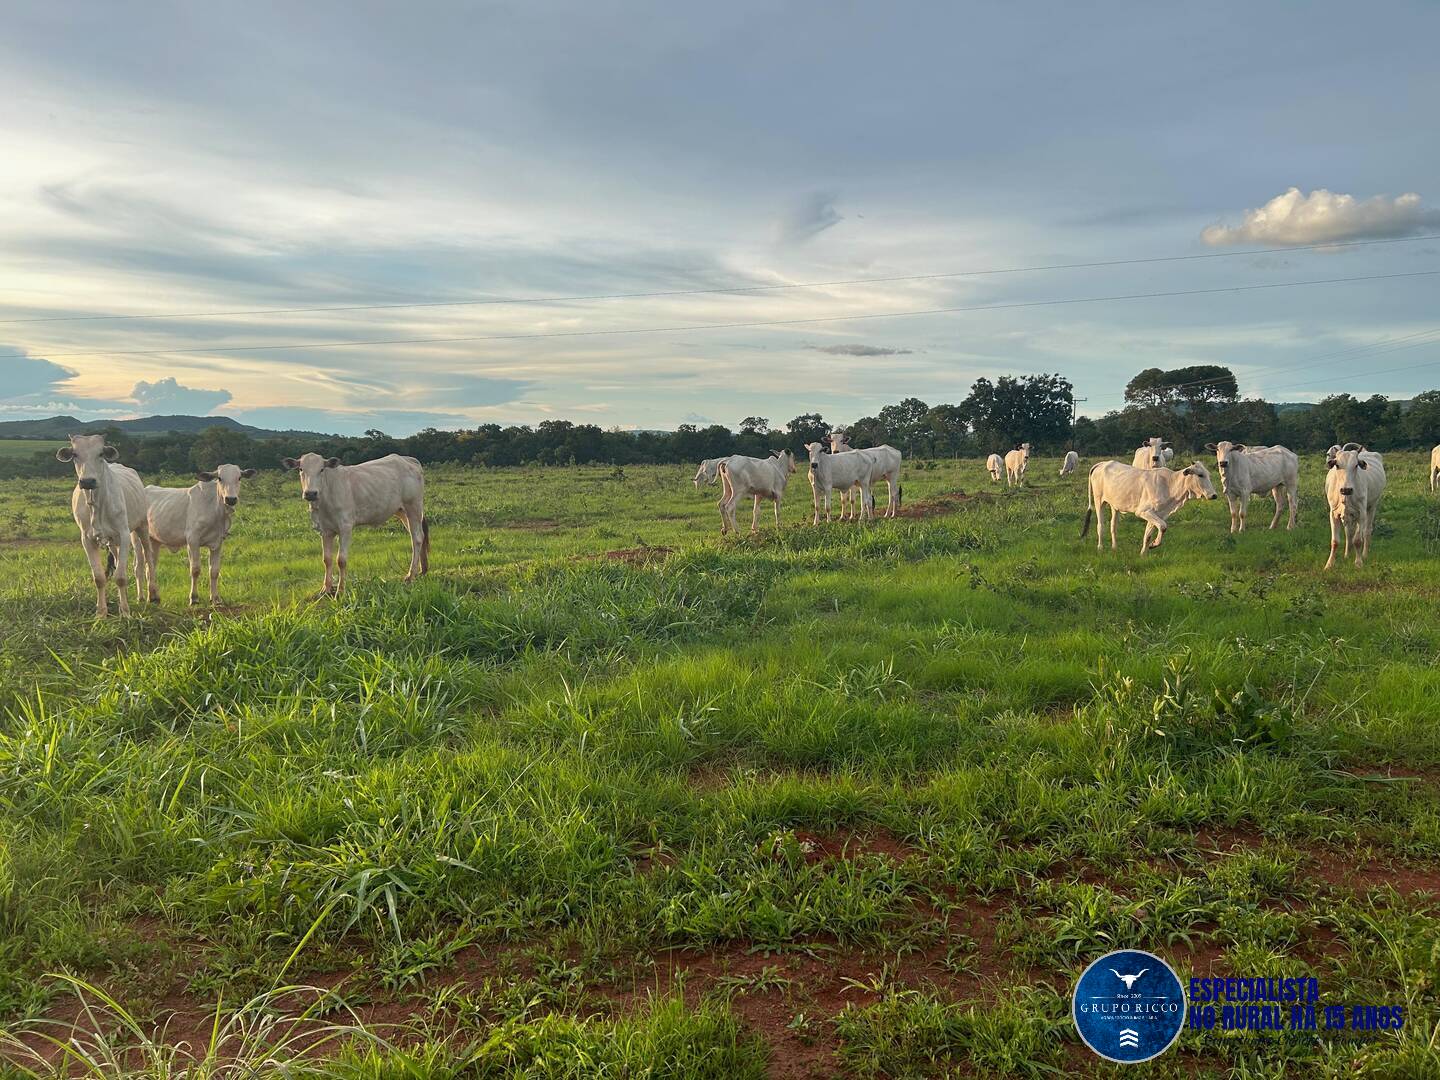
(412, 526)
(724, 525)
(755, 516)
(777, 512)
(151, 552)
(1334, 541)
(96, 554)
(327, 552)
(1113, 515)
(891, 487)
(867, 497)
(1292, 496)
(1244, 509)
(1152, 522)
(215, 576)
(342, 558)
(192, 550)
(122, 570)
(1278, 494)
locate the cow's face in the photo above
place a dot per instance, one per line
(311, 468)
(1224, 456)
(1348, 463)
(814, 449)
(88, 453)
(228, 478)
(788, 459)
(839, 442)
(1197, 481)
(1154, 446)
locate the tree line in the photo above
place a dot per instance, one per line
(1187, 406)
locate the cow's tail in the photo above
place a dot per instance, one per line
(109, 561)
(1091, 509)
(899, 494)
(424, 543)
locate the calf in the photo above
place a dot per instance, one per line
(1256, 470)
(1071, 462)
(1152, 494)
(842, 471)
(109, 507)
(371, 493)
(758, 478)
(193, 518)
(1016, 462)
(1151, 454)
(995, 466)
(1354, 486)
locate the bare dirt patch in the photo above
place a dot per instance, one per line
(948, 502)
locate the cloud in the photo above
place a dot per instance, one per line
(1321, 216)
(166, 397)
(858, 350)
(24, 376)
(812, 215)
(344, 422)
(697, 419)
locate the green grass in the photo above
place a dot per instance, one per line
(25, 448)
(549, 814)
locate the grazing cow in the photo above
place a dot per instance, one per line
(1152, 494)
(1071, 462)
(371, 493)
(995, 466)
(843, 471)
(1434, 466)
(1167, 455)
(109, 507)
(1353, 488)
(195, 517)
(758, 478)
(1257, 470)
(709, 471)
(1016, 462)
(1151, 454)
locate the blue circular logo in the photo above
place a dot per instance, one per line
(1129, 1006)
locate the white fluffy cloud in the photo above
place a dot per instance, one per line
(1324, 216)
(168, 396)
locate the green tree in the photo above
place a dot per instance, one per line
(1031, 408)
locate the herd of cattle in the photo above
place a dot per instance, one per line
(118, 514)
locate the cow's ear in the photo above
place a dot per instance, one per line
(289, 463)
(332, 463)
(110, 453)
(245, 474)
(1363, 465)
(1187, 472)
(201, 474)
(1240, 447)
(1210, 446)
(65, 453)
(1331, 463)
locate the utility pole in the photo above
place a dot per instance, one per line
(1073, 401)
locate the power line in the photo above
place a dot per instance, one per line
(728, 325)
(721, 290)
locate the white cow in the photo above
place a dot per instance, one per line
(1330, 456)
(1257, 470)
(885, 462)
(709, 471)
(995, 466)
(1151, 454)
(839, 472)
(371, 493)
(1071, 462)
(757, 478)
(849, 508)
(195, 517)
(1167, 455)
(1353, 488)
(1016, 462)
(109, 507)
(1151, 494)
(1434, 466)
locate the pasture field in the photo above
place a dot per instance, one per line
(23, 448)
(847, 800)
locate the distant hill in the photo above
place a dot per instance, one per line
(58, 427)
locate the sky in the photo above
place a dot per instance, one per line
(232, 163)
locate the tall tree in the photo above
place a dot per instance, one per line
(808, 428)
(1031, 408)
